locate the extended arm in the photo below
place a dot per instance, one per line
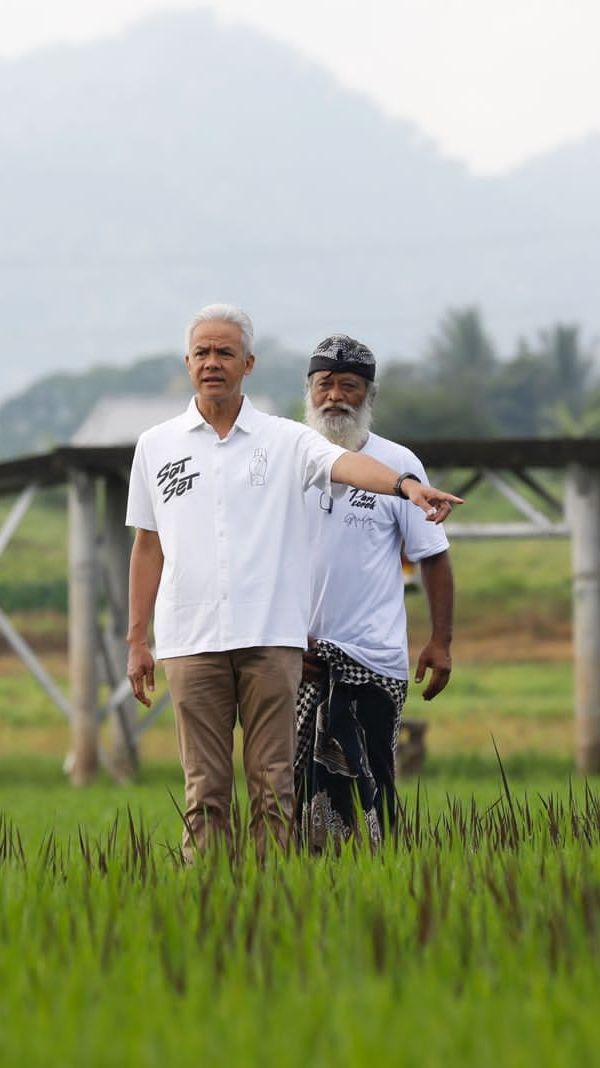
(436, 574)
(144, 576)
(364, 472)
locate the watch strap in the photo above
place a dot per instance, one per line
(400, 480)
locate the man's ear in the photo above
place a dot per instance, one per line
(187, 360)
(250, 360)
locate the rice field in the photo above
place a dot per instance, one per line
(471, 938)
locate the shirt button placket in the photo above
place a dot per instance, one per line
(221, 541)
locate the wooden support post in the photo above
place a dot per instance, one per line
(82, 626)
(583, 502)
(117, 549)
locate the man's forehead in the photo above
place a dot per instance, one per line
(216, 330)
(337, 376)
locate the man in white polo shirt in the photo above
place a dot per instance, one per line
(221, 557)
(356, 671)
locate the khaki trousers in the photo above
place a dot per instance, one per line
(208, 691)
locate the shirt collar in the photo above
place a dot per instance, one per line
(245, 420)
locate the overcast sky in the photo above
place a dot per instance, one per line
(494, 82)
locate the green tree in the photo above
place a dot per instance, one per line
(462, 347)
(410, 405)
(569, 370)
(521, 393)
(463, 364)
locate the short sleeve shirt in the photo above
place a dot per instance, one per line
(233, 527)
(357, 587)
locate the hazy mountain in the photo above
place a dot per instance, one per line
(182, 162)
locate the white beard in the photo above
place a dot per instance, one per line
(349, 430)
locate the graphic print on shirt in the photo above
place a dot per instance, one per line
(358, 520)
(174, 480)
(258, 467)
(358, 498)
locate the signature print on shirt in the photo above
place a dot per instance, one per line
(173, 478)
(360, 522)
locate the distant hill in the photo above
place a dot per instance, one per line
(48, 412)
(144, 175)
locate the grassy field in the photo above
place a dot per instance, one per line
(472, 940)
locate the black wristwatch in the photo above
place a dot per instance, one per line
(400, 480)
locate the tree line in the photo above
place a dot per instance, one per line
(460, 388)
(549, 387)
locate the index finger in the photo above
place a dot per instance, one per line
(451, 497)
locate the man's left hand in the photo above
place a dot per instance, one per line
(437, 657)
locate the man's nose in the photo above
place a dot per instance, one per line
(334, 395)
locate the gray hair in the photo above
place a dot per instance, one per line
(226, 313)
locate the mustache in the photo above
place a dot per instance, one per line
(341, 407)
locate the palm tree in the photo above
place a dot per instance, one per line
(464, 362)
(567, 365)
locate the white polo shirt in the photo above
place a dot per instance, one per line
(357, 589)
(233, 527)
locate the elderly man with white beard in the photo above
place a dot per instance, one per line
(356, 670)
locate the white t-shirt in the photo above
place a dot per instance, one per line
(232, 521)
(357, 589)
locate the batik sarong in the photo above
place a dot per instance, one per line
(348, 727)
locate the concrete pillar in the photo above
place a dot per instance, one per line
(117, 550)
(583, 509)
(82, 626)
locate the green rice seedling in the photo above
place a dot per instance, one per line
(471, 937)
